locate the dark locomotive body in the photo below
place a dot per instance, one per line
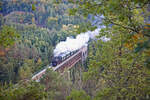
(56, 60)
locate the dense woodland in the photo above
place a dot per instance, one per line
(37, 27)
(118, 69)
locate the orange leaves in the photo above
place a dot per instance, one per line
(136, 38)
(3, 51)
(147, 27)
(129, 45)
(147, 24)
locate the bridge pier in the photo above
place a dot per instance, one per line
(76, 74)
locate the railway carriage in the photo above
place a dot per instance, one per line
(62, 57)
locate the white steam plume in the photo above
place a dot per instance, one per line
(72, 44)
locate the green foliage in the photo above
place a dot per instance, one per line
(119, 74)
(78, 95)
(8, 36)
(33, 7)
(106, 94)
(115, 72)
(22, 91)
(40, 26)
(72, 11)
(26, 70)
(56, 87)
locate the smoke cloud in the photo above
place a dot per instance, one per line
(72, 44)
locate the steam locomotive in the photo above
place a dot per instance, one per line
(62, 57)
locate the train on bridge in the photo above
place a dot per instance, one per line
(64, 60)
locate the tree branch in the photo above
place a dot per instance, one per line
(125, 27)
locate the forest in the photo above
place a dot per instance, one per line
(118, 69)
